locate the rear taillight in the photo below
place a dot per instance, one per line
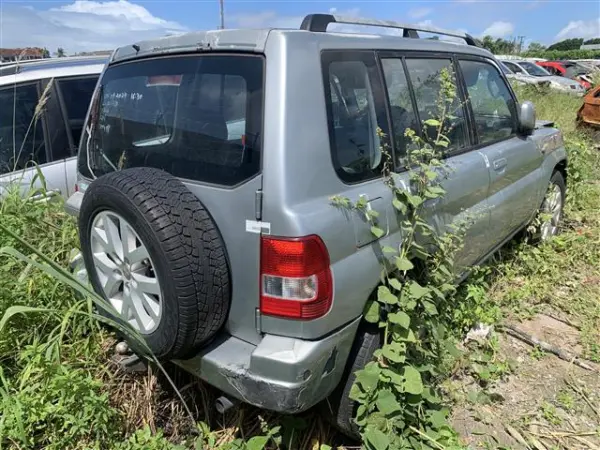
(295, 278)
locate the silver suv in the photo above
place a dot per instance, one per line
(206, 171)
(43, 104)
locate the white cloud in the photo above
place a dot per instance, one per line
(419, 13)
(82, 25)
(580, 29)
(499, 29)
(268, 19)
(265, 19)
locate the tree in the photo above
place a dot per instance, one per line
(567, 44)
(45, 53)
(60, 52)
(536, 47)
(500, 46)
(592, 41)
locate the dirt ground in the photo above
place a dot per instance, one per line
(544, 403)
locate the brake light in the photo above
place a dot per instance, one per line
(295, 278)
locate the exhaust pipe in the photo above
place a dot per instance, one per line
(224, 404)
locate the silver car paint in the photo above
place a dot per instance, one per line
(289, 365)
(60, 176)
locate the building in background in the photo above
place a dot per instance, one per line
(22, 54)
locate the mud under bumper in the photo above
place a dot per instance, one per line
(280, 374)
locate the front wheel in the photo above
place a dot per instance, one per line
(547, 221)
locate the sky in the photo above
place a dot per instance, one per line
(84, 25)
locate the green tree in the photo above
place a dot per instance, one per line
(499, 46)
(567, 44)
(60, 52)
(536, 47)
(592, 41)
(45, 53)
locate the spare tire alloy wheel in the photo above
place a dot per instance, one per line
(126, 272)
(155, 254)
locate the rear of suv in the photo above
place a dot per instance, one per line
(206, 171)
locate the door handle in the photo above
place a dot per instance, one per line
(45, 196)
(500, 164)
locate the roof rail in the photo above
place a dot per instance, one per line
(319, 23)
(12, 67)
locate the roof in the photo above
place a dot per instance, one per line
(51, 67)
(255, 40)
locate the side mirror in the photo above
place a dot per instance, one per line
(527, 118)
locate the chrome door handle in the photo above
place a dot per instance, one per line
(500, 164)
(44, 196)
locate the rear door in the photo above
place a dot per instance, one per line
(24, 139)
(513, 160)
(465, 201)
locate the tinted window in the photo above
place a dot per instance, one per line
(65, 130)
(534, 69)
(355, 143)
(492, 104)
(21, 131)
(76, 95)
(505, 69)
(401, 107)
(196, 117)
(425, 75)
(513, 67)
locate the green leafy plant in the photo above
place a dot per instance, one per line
(399, 406)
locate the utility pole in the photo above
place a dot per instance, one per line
(222, 14)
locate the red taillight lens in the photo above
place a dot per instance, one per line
(295, 278)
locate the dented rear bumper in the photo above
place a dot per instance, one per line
(280, 374)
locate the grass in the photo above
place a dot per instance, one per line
(60, 389)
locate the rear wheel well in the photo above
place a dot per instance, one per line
(562, 168)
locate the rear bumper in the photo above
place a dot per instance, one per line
(281, 374)
(73, 204)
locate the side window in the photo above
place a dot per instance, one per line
(21, 130)
(513, 67)
(76, 95)
(492, 104)
(425, 76)
(401, 107)
(354, 116)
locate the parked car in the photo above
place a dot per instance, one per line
(568, 69)
(531, 69)
(591, 64)
(205, 178)
(589, 113)
(522, 78)
(60, 90)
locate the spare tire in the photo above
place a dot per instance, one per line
(154, 253)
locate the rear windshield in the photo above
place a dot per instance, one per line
(196, 117)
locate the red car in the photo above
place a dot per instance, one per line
(567, 69)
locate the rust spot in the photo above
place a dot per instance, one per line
(589, 113)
